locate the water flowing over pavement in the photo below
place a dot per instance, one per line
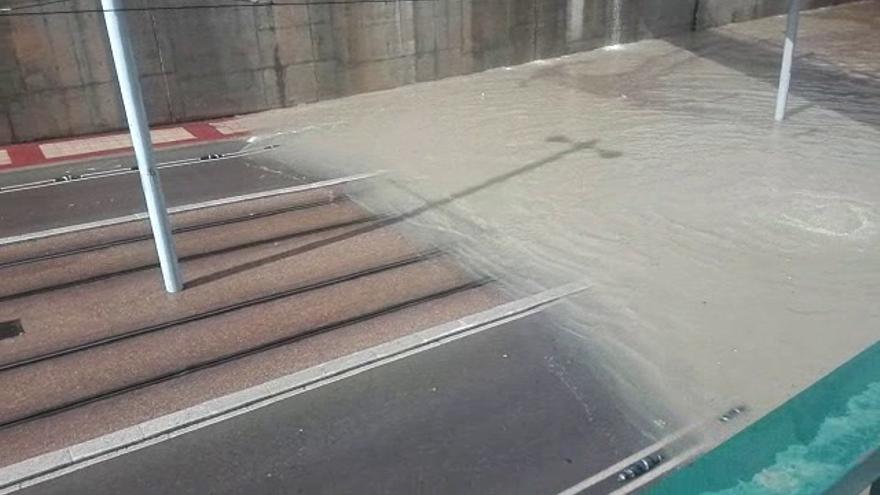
(730, 263)
(731, 260)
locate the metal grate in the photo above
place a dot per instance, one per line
(10, 329)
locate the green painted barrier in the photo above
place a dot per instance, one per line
(806, 446)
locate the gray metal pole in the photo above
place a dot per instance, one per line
(791, 30)
(130, 86)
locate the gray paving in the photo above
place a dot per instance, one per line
(514, 409)
(116, 161)
(94, 199)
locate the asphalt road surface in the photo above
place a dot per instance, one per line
(70, 203)
(509, 410)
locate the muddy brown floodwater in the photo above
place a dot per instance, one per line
(730, 260)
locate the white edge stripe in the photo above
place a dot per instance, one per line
(190, 207)
(657, 472)
(113, 172)
(650, 449)
(165, 165)
(58, 463)
(623, 463)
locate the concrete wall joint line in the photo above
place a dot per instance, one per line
(162, 68)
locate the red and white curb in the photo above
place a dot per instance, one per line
(16, 156)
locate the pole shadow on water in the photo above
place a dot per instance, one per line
(574, 147)
(853, 94)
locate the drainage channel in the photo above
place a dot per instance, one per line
(273, 344)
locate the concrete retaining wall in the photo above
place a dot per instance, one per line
(56, 78)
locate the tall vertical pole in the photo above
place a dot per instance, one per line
(791, 30)
(130, 86)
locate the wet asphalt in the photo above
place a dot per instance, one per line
(80, 201)
(515, 409)
(509, 410)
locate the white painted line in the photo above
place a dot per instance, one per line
(27, 185)
(102, 174)
(4, 158)
(244, 151)
(627, 461)
(658, 471)
(190, 207)
(107, 143)
(54, 464)
(274, 192)
(623, 463)
(164, 165)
